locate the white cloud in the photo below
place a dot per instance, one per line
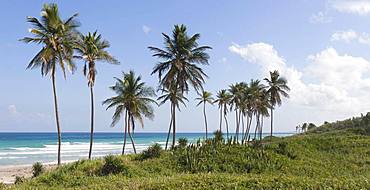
(12, 109)
(320, 17)
(333, 83)
(146, 29)
(27, 117)
(350, 36)
(359, 7)
(346, 36)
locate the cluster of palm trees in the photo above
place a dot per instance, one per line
(248, 101)
(179, 70)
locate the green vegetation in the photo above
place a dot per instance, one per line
(332, 156)
(37, 169)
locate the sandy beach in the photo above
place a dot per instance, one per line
(8, 173)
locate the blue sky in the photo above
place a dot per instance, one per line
(321, 47)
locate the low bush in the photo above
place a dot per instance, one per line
(153, 151)
(113, 165)
(19, 179)
(37, 169)
(182, 142)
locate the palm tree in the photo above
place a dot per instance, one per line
(236, 91)
(180, 65)
(205, 97)
(134, 100)
(92, 48)
(176, 97)
(222, 100)
(57, 37)
(277, 87)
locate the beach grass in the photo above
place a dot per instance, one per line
(333, 156)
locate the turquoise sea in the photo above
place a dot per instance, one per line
(28, 148)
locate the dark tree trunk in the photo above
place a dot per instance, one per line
(237, 124)
(242, 118)
(272, 120)
(205, 118)
(125, 134)
(129, 131)
(221, 119)
(169, 130)
(173, 126)
(57, 117)
(91, 121)
(227, 127)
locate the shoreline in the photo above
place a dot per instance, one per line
(8, 173)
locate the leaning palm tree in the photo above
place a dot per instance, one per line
(133, 100)
(176, 97)
(277, 88)
(205, 97)
(180, 64)
(57, 37)
(92, 48)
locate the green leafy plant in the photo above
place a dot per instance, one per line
(19, 179)
(113, 165)
(153, 151)
(37, 169)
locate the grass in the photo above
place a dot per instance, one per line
(332, 156)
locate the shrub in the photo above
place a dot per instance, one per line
(113, 165)
(283, 149)
(19, 180)
(37, 169)
(183, 142)
(218, 136)
(153, 151)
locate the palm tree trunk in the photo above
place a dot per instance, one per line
(227, 127)
(57, 116)
(261, 125)
(221, 119)
(272, 120)
(169, 130)
(242, 118)
(173, 125)
(129, 132)
(125, 134)
(257, 126)
(91, 121)
(205, 118)
(237, 124)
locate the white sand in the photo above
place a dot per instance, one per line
(8, 173)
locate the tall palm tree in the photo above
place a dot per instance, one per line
(180, 64)
(92, 48)
(277, 88)
(57, 37)
(176, 97)
(205, 97)
(134, 100)
(236, 91)
(222, 99)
